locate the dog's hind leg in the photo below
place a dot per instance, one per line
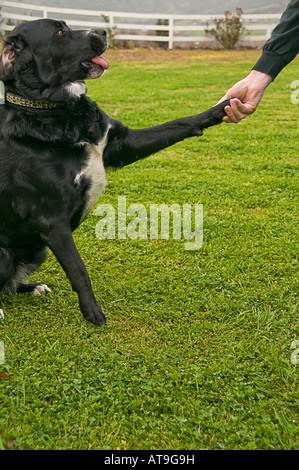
(25, 261)
(15, 266)
(35, 289)
(7, 268)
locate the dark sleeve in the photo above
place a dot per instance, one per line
(283, 45)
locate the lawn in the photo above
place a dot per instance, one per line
(196, 353)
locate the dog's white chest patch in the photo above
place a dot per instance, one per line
(94, 171)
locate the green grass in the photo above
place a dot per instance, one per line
(196, 352)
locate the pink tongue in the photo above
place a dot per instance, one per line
(101, 61)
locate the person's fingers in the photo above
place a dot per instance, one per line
(240, 110)
(226, 119)
(230, 113)
(237, 111)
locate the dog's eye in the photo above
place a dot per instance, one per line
(60, 33)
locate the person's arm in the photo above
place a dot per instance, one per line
(283, 45)
(278, 51)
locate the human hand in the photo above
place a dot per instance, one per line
(245, 96)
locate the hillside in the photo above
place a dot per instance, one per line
(170, 6)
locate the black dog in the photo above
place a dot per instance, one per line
(55, 144)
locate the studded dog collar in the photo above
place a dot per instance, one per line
(18, 100)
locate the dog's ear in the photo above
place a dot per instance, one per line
(7, 60)
(12, 47)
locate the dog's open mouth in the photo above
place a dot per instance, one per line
(96, 66)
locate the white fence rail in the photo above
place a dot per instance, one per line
(144, 27)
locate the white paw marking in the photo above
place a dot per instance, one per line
(39, 290)
(1, 315)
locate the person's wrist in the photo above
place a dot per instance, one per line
(260, 78)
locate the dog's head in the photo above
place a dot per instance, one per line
(46, 60)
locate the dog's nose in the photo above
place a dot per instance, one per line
(99, 32)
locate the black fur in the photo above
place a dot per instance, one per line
(44, 191)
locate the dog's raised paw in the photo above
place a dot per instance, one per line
(1, 315)
(41, 289)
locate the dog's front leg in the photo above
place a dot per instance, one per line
(126, 146)
(63, 246)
